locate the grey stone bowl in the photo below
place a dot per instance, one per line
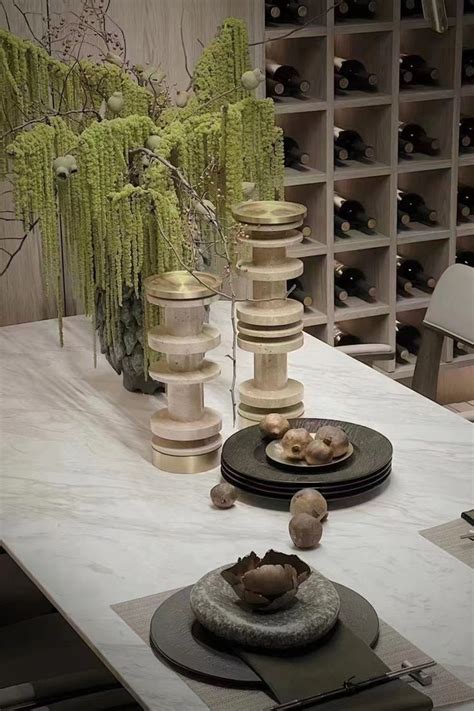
(313, 613)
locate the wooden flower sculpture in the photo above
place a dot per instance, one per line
(269, 583)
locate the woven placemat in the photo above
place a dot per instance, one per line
(447, 537)
(392, 648)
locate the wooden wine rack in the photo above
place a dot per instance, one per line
(310, 121)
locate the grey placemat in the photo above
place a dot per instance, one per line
(447, 537)
(392, 648)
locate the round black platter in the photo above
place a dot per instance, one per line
(245, 464)
(177, 637)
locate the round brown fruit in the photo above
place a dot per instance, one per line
(311, 502)
(319, 451)
(223, 495)
(305, 530)
(294, 443)
(274, 425)
(338, 439)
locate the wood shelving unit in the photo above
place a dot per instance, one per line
(310, 121)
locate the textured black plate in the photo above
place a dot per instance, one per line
(244, 454)
(177, 637)
(286, 494)
(296, 486)
(287, 490)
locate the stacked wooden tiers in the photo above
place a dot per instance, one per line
(270, 326)
(245, 464)
(186, 435)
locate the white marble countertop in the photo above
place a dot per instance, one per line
(94, 523)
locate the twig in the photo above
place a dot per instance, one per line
(12, 255)
(27, 22)
(183, 47)
(7, 19)
(307, 22)
(51, 115)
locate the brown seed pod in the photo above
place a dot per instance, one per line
(338, 439)
(309, 501)
(223, 495)
(319, 451)
(274, 425)
(305, 530)
(294, 443)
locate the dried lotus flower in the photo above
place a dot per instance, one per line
(153, 142)
(294, 443)
(252, 78)
(274, 425)
(337, 438)
(269, 583)
(116, 102)
(182, 98)
(319, 451)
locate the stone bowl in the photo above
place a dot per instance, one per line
(312, 615)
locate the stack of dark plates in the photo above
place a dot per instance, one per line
(245, 464)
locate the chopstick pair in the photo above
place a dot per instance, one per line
(350, 688)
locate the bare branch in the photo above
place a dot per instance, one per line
(12, 255)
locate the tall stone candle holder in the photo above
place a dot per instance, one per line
(270, 326)
(186, 434)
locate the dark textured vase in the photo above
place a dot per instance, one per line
(126, 354)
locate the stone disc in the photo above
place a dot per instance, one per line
(268, 212)
(162, 372)
(162, 342)
(249, 329)
(278, 312)
(264, 399)
(166, 427)
(176, 636)
(313, 614)
(271, 345)
(182, 285)
(289, 268)
(288, 239)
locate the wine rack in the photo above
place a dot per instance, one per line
(375, 114)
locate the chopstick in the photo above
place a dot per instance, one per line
(350, 688)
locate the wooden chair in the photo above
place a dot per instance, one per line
(451, 314)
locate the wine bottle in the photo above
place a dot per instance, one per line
(272, 12)
(412, 270)
(274, 88)
(466, 196)
(404, 286)
(353, 143)
(343, 338)
(404, 147)
(340, 295)
(354, 282)
(463, 211)
(355, 73)
(402, 353)
(417, 136)
(414, 205)
(340, 153)
(341, 226)
(298, 293)
(340, 83)
(467, 65)
(287, 75)
(461, 349)
(403, 218)
(357, 10)
(414, 70)
(466, 132)
(341, 11)
(294, 156)
(411, 8)
(468, 5)
(292, 11)
(353, 212)
(408, 337)
(306, 231)
(465, 257)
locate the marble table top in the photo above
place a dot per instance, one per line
(93, 523)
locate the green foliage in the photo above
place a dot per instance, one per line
(122, 220)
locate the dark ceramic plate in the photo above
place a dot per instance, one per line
(287, 493)
(177, 637)
(244, 454)
(323, 488)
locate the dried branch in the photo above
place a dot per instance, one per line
(300, 26)
(7, 19)
(12, 255)
(46, 117)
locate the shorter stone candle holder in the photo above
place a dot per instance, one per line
(186, 434)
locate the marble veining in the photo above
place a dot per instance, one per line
(94, 523)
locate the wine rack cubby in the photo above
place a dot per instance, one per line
(375, 114)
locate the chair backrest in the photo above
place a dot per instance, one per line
(451, 309)
(450, 313)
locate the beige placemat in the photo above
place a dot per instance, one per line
(447, 537)
(392, 648)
